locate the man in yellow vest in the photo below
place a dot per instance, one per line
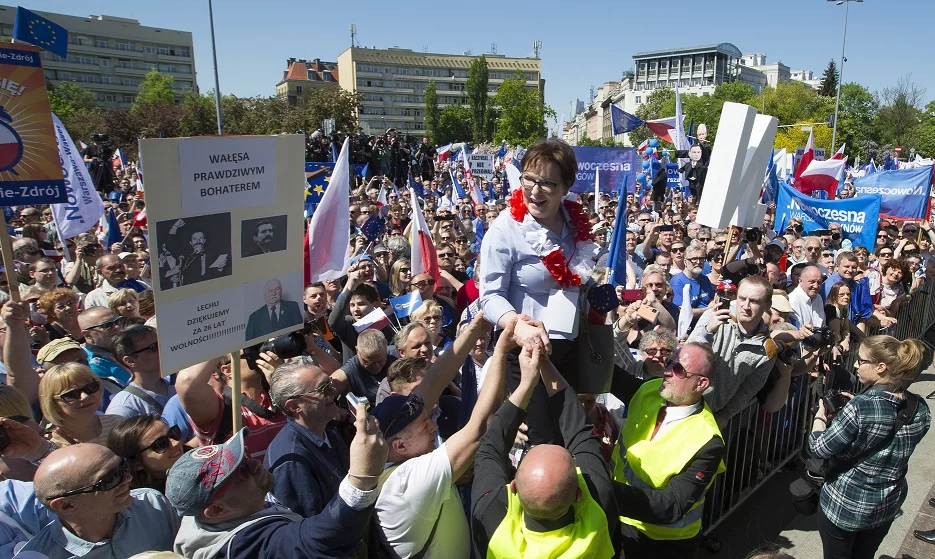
(669, 451)
(556, 504)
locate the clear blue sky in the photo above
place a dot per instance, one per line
(584, 42)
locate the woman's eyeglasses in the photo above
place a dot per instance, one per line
(109, 481)
(662, 351)
(74, 395)
(529, 183)
(161, 444)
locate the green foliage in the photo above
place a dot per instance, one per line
(829, 80)
(156, 88)
(923, 138)
(454, 125)
(200, 114)
(793, 137)
(431, 109)
(77, 109)
(476, 88)
(899, 112)
(855, 118)
(521, 113)
(319, 104)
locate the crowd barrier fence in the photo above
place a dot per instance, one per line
(760, 444)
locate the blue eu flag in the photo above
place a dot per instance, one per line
(36, 30)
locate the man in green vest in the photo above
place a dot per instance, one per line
(669, 451)
(556, 504)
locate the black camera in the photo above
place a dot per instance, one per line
(99, 137)
(739, 269)
(821, 337)
(285, 347)
(834, 400)
(753, 235)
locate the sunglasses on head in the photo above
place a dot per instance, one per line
(161, 444)
(109, 481)
(75, 394)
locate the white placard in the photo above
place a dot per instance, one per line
(226, 173)
(193, 328)
(481, 164)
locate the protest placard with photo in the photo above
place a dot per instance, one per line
(222, 201)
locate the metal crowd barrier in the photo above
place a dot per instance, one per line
(759, 444)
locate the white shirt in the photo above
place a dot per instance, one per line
(807, 310)
(411, 500)
(674, 414)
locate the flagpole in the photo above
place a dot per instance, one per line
(217, 81)
(837, 102)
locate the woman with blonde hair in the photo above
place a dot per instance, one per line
(125, 302)
(70, 395)
(867, 445)
(15, 407)
(430, 313)
(60, 307)
(400, 276)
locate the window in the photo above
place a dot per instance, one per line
(79, 40)
(185, 69)
(124, 64)
(125, 46)
(149, 49)
(128, 99)
(88, 78)
(163, 50)
(102, 43)
(107, 79)
(166, 68)
(132, 82)
(298, 90)
(183, 52)
(107, 97)
(104, 61)
(639, 100)
(65, 75)
(402, 71)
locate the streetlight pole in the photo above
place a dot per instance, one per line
(837, 102)
(217, 82)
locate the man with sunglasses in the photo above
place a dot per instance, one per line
(221, 494)
(148, 392)
(669, 452)
(87, 487)
(701, 290)
(98, 326)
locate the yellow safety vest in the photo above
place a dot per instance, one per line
(588, 536)
(649, 464)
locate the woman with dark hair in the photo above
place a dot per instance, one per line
(40, 234)
(893, 291)
(715, 260)
(150, 446)
(538, 261)
(867, 444)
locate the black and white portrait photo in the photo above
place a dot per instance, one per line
(262, 235)
(194, 249)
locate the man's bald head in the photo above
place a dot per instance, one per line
(546, 482)
(94, 315)
(70, 468)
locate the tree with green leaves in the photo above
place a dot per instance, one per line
(320, 104)
(521, 111)
(200, 114)
(476, 88)
(431, 109)
(855, 118)
(924, 135)
(156, 88)
(829, 80)
(76, 107)
(454, 125)
(899, 110)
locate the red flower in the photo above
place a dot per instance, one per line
(555, 262)
(558, 268)
(518, 205)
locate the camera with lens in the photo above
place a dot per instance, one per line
(834, 400)
(286, 346)
(821, 337)
(99, 137)
(753, 235)
(739, 269)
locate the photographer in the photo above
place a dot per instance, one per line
(867, 445)
(425, 160)
(98, 156)
(82, 273)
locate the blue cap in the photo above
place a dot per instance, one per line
(396, 412)
(362, 257)
(193, 480)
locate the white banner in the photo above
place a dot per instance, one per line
(84, 206)
(481, 164)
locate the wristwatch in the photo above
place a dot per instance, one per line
(52, 447)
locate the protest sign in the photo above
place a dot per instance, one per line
(83, 206)
(858, 216)
(903, 193)
(227, 268)
(674, 179)
(30, 169)
(614, 164)
(481, 164)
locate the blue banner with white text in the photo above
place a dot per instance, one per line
(904, 193)
(614, 164)
(858, 216)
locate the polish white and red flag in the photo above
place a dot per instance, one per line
(662, 128)
(374, 319)
(422, 256)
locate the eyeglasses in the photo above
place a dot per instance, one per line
(679, 371)
(109, 481)
(643, 219)
(677, 249)
(813, 249)
(405, 270)
(445, 254)
(412, 408)
(74, 395)
(433, 318)
(695, 259)
(860, 361)
(883, 236)
(704, 239)
(461, 240)
(161, 444)
(151, 347)
(327, 390)
(106, 324)
(422, 284)
(720, 243)
(243, 472)
(529, 183)
(662, 351)
(827, 254)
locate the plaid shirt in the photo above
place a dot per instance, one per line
(870, 493)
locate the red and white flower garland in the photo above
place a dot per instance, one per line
(568, 273)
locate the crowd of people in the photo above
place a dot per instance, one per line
(524, 409)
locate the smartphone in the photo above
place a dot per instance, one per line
(724, 305)
(4, 438)
(353, 400)
(630, 295)
(647, 313)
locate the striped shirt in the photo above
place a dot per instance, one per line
(869, 494)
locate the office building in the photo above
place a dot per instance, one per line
(109, 56)
(302, 75)
(392, 81)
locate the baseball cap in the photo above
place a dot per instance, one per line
(380, 247)
(194, 479)
(361, 258)
(396, 412)
(781, 303)
(55, 348)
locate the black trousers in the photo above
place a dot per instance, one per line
(844, 544)
(543, 427)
